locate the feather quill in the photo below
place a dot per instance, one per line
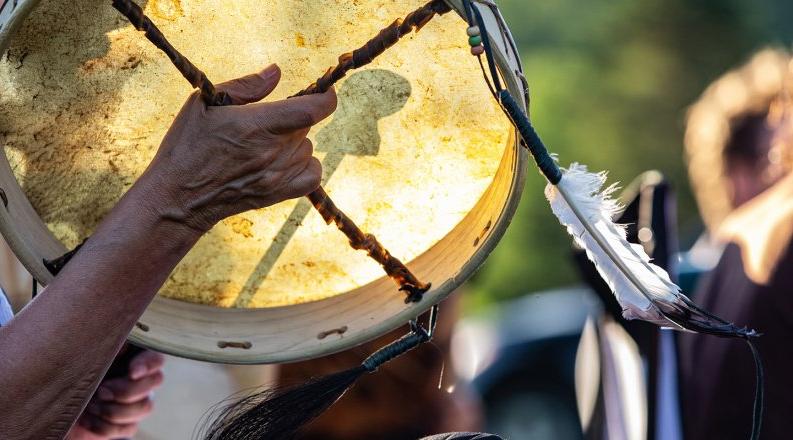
(644, 290)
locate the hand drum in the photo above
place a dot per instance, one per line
(417, 153)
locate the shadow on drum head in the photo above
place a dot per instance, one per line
(65, 75)
(363, 99)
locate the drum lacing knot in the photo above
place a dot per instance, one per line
(414, 293)
(417, 336)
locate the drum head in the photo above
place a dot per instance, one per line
(417, 153)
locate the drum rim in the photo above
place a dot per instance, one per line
(307, 342)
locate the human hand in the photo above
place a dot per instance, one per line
(121, 403)
(215, 162)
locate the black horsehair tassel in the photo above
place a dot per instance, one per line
(279, 413)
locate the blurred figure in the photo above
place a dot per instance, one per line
(730, 150)
(738, 142)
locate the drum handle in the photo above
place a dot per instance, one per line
(377, 45)
(193, 74)
(386, 38)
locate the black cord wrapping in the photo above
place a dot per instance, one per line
(530, 137)
(416, 337)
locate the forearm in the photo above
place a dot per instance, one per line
(213, 163)
(53, 354)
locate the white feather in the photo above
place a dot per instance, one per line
(586, 209)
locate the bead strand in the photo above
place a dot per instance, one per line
(475, 40)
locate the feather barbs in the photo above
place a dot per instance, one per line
(585, 208)
(643, 289)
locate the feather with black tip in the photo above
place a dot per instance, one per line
(644, 290)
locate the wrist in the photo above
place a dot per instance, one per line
(158, 209)
(162, 191)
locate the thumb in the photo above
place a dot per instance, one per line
(253, 87)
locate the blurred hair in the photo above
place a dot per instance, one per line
(734, 121)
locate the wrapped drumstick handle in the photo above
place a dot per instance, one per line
(393, 267)
(377, 45)
(193, 74)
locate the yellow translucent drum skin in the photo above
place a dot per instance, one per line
(417, 153)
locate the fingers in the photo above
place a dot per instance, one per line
(146, 363)
(121, 403)
(125, 390)
(121, 413)
(294, 155)
(101, 427)
(303, 171)
(294, 113)
(252, 88)
(307, 180)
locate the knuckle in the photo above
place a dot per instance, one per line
(147, 407)
(128, 430)
(306, 118)
(157, 379)
(307, 147)
(333, 100)
(313, 174)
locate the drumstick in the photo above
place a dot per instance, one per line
(322, 202)
(193, 74)
(377, 45)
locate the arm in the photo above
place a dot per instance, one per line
(214, 162)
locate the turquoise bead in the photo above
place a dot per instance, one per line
(475, 40)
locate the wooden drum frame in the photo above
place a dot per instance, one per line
(301, 331)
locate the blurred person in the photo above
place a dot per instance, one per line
(738, 142)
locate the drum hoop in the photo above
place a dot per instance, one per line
(337, 323)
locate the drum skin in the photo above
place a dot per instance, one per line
(418, 153)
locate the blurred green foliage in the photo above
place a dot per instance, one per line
(610, 82)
